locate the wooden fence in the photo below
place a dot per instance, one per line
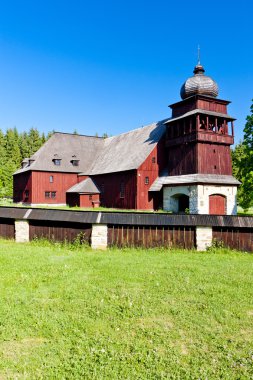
(129, 229)
(151, 236)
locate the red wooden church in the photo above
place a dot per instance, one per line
(176, 164)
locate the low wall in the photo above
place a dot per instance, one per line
(103, 229)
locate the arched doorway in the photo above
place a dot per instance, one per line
(180, 203)
(217, 204)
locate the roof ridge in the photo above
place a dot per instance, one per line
(139, 128)
(77, 134)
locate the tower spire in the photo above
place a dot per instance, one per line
(198, 55)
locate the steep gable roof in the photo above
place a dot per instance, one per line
(127, 151)
(66, 147)
(96, 155)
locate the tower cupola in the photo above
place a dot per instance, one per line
(199, 84)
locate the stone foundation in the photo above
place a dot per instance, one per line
(99, 236)
(204, 237)
(21, 231)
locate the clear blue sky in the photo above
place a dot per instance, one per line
(112, 66)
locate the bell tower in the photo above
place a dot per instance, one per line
(200, 132)
(198, 139)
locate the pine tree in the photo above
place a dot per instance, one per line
(247, 163)
(34, 141)
(238, 155)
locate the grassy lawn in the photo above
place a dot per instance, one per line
(124, 314)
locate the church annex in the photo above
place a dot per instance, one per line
(181, 164)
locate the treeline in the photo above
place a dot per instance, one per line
(14, 147)
(242, 157)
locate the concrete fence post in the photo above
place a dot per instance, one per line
(21, 231)
(99, 236)
(204, 237)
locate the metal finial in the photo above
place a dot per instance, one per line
(198, 55)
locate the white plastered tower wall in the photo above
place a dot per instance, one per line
(199, 197)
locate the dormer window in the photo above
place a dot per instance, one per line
(30, 162)
(24, 163)
(75, 162)
(57, 161)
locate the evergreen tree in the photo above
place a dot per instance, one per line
(14, 147)
(238, 156)
(24, 145)
(12, 151)
(34, 141)
(247, 163)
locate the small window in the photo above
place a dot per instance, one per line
(102, 188)
(214, 150)
(53, 194)
(26, 194)
(51, 179)
(214, 166)
(47, 194)
(146, 180)
(75, 162)
(122, 190)
(153, 160)
(90, 197)
(57, 161)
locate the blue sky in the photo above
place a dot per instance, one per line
(112, 66)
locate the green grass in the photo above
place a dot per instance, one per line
(248, 212)
(9, 203)
(124, 314)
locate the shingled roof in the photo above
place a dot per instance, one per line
(129, 150)
(96, 155)
(216, 179)
(66, 147)
(87, 186)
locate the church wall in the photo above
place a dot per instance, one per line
(41, 184)
(118, 190)
(214, 159)
(182, 159)
(22, 186)
(150, 168)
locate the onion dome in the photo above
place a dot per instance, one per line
(199, 84)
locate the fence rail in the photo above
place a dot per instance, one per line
(127, 229)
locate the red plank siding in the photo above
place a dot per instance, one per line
(61, 183)
(22, 183)
(87, 200)
(110, 185)
(151, 167)
(199, 158)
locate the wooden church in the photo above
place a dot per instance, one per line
(181, 164)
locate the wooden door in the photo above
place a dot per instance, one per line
(217, 204)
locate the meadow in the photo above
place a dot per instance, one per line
(68, 312)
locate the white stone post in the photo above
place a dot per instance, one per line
(21, 231)
(204, 237)
(99, 236)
